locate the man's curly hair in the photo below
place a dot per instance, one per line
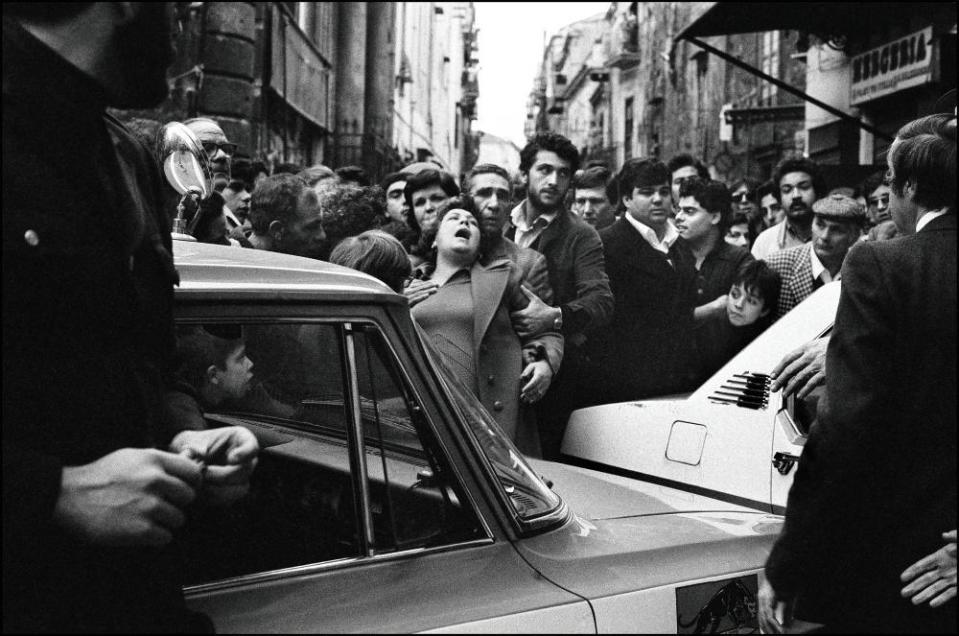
(350, 210)
(553, 142)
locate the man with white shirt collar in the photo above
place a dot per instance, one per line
(837, 225)
(647, 350)
(574, 258)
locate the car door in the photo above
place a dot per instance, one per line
(359, 518)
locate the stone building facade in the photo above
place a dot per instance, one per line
(323, 82)
(654, 92)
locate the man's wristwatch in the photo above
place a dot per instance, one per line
(558, 321)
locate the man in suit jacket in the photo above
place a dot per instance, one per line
(648, 348)
(876, 485)
(489, 186)
(574, 257)
(837, 225)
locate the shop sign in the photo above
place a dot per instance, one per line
(892, 67)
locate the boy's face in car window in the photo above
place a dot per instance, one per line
(235, 376)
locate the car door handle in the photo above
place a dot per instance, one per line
(784, 462)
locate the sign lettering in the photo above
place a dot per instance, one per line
(893, 67)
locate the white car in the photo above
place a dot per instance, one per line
(731, 439)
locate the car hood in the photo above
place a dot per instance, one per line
(593, 495)
(602, 558)
(626, 535)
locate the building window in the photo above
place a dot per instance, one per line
(770, 66)
(324, 35)
(628, 133)
(305, 16)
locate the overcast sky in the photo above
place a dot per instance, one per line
(510, 51)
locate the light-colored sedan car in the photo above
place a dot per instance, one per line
(387, 499)
(731, 439)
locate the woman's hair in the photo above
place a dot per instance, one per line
(316, 173)
(421, 181)
(428, 236)
(740, 218)
(376, 253)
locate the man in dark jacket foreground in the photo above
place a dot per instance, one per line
(876, 486)
(91, 505)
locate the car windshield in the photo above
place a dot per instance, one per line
(528, 496)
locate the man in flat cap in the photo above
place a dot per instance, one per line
(837, 224)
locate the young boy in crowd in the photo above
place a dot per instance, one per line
(749, 310)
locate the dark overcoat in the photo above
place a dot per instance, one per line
(876, 484)
(87, 335)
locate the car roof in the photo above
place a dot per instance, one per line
(222, 271)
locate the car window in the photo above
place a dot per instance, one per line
(305, 504)
(416, 500)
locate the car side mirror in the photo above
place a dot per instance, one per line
(186, 168)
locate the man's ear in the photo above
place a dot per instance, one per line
(717, 217)
(212, 374)
(276, 230)
(908, 190)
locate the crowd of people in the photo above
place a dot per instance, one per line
(587, 284)
(647, 278)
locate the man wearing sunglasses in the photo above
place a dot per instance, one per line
(876, 191)
(220, 152)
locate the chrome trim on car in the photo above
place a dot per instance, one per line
(556, 517)
(411, 386)
(358, 447)
(327, 566)
(762, 506)
(788, 425)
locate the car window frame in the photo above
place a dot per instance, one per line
(208, 313)
(520, 527)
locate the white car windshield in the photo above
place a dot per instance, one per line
(528, 496)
